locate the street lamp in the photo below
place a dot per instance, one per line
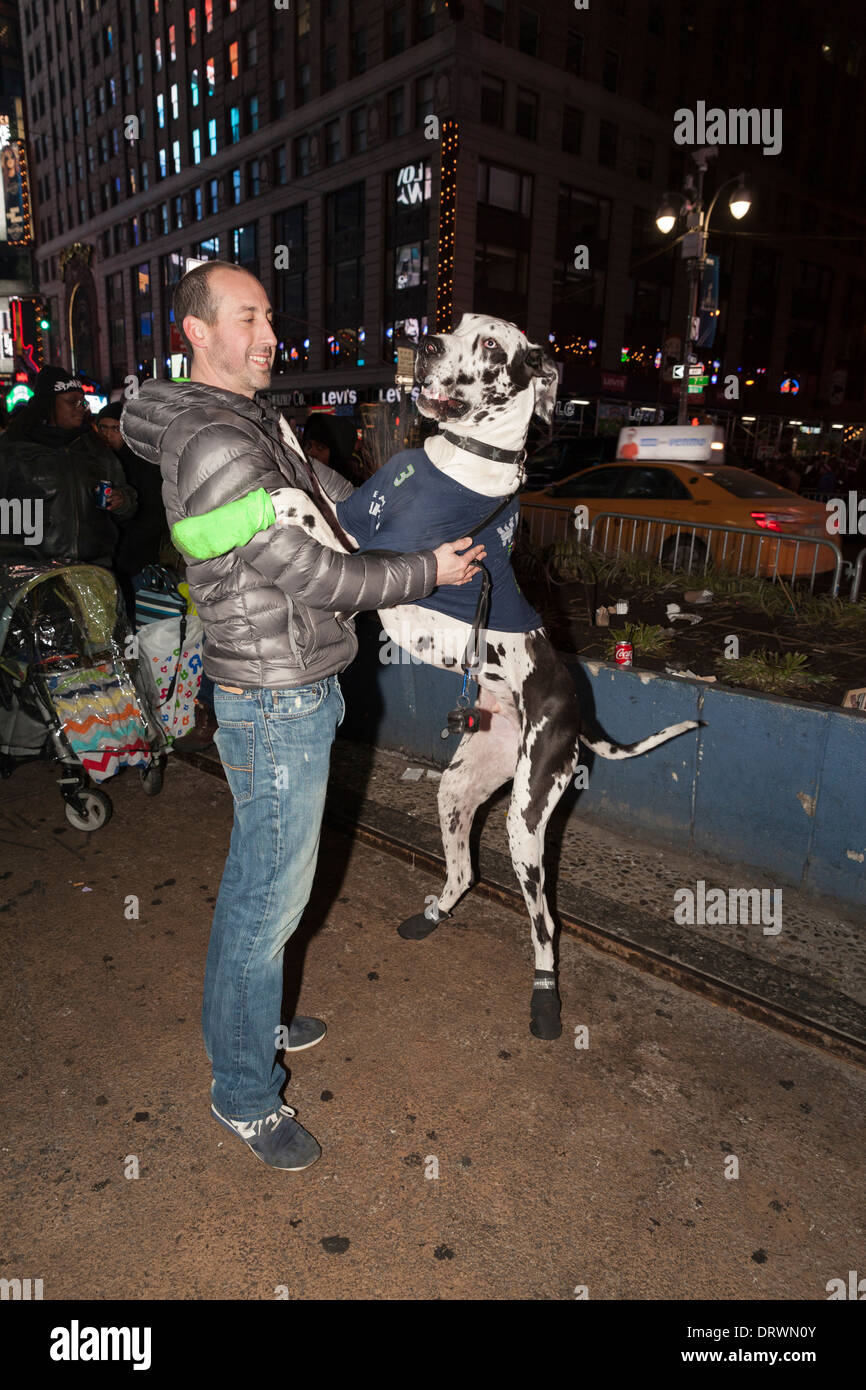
(695, 247)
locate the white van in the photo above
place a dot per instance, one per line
(672, 443)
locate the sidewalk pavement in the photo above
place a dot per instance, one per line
(463, 1159)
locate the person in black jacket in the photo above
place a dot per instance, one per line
(52, 455)
(142, 535)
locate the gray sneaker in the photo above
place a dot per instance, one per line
(278, 1140)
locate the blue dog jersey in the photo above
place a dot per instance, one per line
(410, 505)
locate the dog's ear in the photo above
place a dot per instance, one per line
(542, 368)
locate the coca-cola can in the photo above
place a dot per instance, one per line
(623, 653)
(103, 492)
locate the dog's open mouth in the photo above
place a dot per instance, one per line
(434, 401)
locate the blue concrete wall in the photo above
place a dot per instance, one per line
(773, 784)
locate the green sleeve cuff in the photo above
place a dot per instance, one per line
(217, 532)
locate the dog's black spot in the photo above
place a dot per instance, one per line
(464, 379)
(292, 511)
(493, 676)
(458, 762)
(540, 929)
(500, 647)
(532, 874)
(548, 695)
(492, 658)
(454, 822)
(308, 520)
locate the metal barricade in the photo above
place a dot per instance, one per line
(858, 575)
(546, 524)
(677, 537)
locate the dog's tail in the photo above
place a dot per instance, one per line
(614, 752)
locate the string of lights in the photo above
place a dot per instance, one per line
(447, 226)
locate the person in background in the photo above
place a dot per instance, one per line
(51, 453)
(141, 535)
(332, 440)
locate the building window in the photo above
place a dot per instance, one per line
(213, 196)
(193, 26)
(302, 155)
(197, 204)
(359, 51)
(175, 108)
(196, 147)
(160, 111)
(157, 54)
(607, 144)
(139, 70)
(492, 100)
(234, 124)
(208, 16)
(333, 153)
(210, 75)
(172, 43)
(254, 178)
(234, 63)
(644, 159)
(251, 49)
(163, 164)
(396, 123)
(212, 136)
(303, 83)
(425, 19)
(280, 170)
(252, 115)
(504, 188)
(303, 18)
(244, 247)
(494, 19)
(237, 186)
(610, 71)
(278, 105)
(329, 68)
(529, 32)
(175, 155)
(193, 87)
(423, 99)
(572, 130)
(396, 27)
(526, 114)
(358, 129)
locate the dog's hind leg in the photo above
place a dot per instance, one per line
(482, 762)
(548, 752)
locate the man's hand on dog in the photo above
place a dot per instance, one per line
(454, 568)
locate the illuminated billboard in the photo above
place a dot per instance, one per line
(15, 221)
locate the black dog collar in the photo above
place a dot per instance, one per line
(487, 451)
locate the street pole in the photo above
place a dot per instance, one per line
(695, 270)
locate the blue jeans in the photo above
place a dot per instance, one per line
(275, 747)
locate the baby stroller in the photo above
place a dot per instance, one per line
(70, 690)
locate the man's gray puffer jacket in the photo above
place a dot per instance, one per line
(269, 608)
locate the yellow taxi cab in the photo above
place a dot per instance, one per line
(658, 496)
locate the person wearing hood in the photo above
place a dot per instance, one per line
(51, 454)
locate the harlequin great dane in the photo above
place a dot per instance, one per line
(482, 383)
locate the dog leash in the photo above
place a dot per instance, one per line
(462, 719)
